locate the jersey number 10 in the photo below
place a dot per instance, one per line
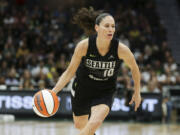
(108, 72)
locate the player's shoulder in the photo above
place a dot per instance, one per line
(123, 50)
(122, 47)
(82, 46)
(83, 42)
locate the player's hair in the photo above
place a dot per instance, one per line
(87, 18)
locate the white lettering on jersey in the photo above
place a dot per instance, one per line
(100, 64)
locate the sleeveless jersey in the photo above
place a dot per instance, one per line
(97, 74)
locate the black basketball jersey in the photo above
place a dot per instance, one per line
(97, 74)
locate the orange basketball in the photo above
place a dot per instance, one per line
(45, 103)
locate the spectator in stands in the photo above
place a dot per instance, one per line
(12, 78)
(2, 80)
(52, 76)
(166, 110)
(151, 87)
(41, 85)
(9, 47)
(61, 64)
(170, 78)
(178, 79)
(27, 85)
(42, 78)
(40, 68)
(170, 64)
(4, 68)
(26, 76)
(2, 83)
(22, 51)
(3, 5)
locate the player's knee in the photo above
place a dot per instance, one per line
(79, 125)
(95, 124)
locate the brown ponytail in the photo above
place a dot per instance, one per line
(86, 18)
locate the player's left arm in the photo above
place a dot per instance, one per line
(126, 55)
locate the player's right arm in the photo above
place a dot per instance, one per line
(80, 51)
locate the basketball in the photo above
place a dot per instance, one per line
(45, 103)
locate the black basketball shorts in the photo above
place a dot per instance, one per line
(82, 106)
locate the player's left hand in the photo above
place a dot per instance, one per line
(136, 98)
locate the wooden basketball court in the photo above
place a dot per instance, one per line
(67, 128)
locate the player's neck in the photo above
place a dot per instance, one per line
(101, 43)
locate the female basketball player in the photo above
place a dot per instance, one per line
(96, 63)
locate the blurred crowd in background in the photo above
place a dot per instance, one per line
(37, 42)
(178, 2)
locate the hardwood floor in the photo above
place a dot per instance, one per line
(67, 128)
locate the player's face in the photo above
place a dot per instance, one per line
(106, 28)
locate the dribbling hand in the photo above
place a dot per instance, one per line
(136, 98)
